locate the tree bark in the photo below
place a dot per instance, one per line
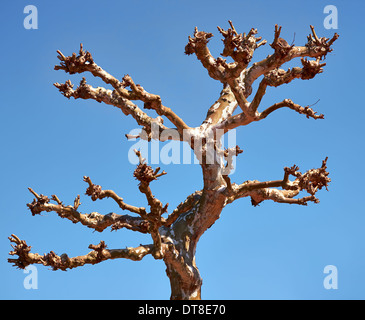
(181, 290)
(181, 269)
(185, 279)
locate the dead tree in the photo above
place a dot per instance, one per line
(175, 236)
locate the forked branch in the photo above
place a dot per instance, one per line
(84, 62)
(310, 181)
(86, 91)
(93, 220)
(314, 48)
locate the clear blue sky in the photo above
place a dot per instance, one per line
(274, 251)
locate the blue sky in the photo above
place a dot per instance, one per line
(274, 251)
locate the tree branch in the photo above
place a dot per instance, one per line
(198, 45)
(84, 62)
(315, 48)
(311, 181)
(98, 254)
(145, 175)
(96, 192)
(92, 220)
(240, 48)
(222, 108)
(148, 223)
(152, 101)
(190, 202)
(228, 156)
(290, 104)
(85, 91)
(242, 120)
(235, 121)
(278, 77)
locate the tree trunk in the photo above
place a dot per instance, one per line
(181, 269)
(181, 289)
(184, 235)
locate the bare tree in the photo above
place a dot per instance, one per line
(175, 236)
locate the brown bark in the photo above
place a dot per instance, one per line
(175, 238)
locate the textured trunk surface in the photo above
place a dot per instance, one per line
(185, 278)
(182, 290)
